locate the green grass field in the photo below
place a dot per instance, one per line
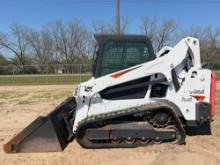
(48, 79)
(218, 73)
(43, 79)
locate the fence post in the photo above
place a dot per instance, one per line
(47, 72)
(80, 72)
(13, 70)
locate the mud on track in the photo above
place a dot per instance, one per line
(19, 105)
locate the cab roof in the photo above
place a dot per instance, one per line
(102, 38)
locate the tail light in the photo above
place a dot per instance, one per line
(213, 94)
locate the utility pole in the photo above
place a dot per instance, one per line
(118, 24)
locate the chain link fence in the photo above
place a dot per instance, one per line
(49, 74)
(45, 69)
(44, 74)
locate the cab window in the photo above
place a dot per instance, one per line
(122, 55)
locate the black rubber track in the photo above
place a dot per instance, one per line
(84, 124)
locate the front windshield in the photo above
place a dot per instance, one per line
(122, 55)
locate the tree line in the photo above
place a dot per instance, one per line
(73, 43)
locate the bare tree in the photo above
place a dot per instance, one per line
(209, 38)
(18, 44)
(211, 46)
(3, 60)
(213, 36)
(2, 36)
(70, 39)
(166, 30)
(161, 32)
(102, 27)
(149, 27)
(42, 46)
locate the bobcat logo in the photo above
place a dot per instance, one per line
(197, 92)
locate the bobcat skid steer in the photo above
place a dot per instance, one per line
(135, 98)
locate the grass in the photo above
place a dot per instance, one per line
(49, 79)
(11, 95)
(43, 79)
(217, 73)
(54, 95)
(27, 98)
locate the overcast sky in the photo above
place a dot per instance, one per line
(36, 13)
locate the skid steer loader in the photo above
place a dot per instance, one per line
(134, 98)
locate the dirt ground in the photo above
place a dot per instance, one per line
(19, 105)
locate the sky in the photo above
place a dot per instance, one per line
(37, 13)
